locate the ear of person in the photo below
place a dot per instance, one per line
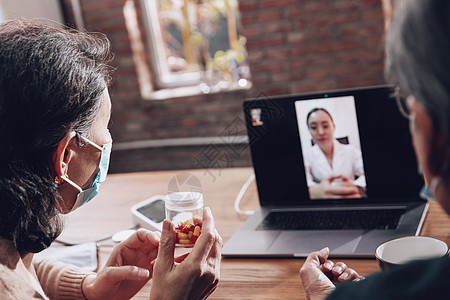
(63, 155)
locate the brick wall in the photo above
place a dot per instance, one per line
(294, 46)
(299, 46)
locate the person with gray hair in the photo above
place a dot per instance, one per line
(418, 61)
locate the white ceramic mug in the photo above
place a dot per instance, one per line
(405, 249)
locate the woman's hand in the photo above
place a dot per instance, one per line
(335, 187)
(319, 275)
(190, 276)
(127, 270)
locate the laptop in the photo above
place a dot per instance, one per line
(294, 219)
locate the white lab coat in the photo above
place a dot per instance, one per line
(347, 161)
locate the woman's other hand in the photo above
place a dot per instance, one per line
(190, 276)
(127, 270)
(335, 187)
(319, 275)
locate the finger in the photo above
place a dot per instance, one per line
(209, 290)
(338, 268)
(355, 194)
(334, 177)
(349, 274)
(347, 183)
(312, 268)
(166, 249)
(145, 235)
(359, 278)
(327, 266)
(206, 240)
(318, 257)
(117, 274)
(343, 190)
(345, 178)
(181, 257)
(215, 254)
(141, 237)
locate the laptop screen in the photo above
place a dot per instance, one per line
(331, 147)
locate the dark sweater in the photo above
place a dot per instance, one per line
(425, 279)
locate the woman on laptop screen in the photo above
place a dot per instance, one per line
(334, 168)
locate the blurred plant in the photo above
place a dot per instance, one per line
(189, 26)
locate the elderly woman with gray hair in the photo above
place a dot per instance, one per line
(418, 61)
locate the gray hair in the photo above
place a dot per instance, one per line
(418, 56)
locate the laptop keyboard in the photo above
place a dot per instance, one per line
(329, 220)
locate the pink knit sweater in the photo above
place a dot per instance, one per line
(58, 280)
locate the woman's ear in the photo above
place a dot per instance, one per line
(64, 154)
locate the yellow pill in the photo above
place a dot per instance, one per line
(197, 230)
(182, 236)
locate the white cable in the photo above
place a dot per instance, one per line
(241, 194)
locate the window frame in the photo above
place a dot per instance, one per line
(166, 84)
(163, 78)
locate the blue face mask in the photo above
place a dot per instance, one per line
(429, 191)
(84, 196)
(426, 193)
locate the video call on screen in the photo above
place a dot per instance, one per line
(330, 145)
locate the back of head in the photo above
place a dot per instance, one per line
(51, 81)
(418, 60)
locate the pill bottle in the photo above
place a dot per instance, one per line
(185, 211)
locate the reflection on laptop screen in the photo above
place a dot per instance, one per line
(330, 143)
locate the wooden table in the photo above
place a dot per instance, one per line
(245, 278)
